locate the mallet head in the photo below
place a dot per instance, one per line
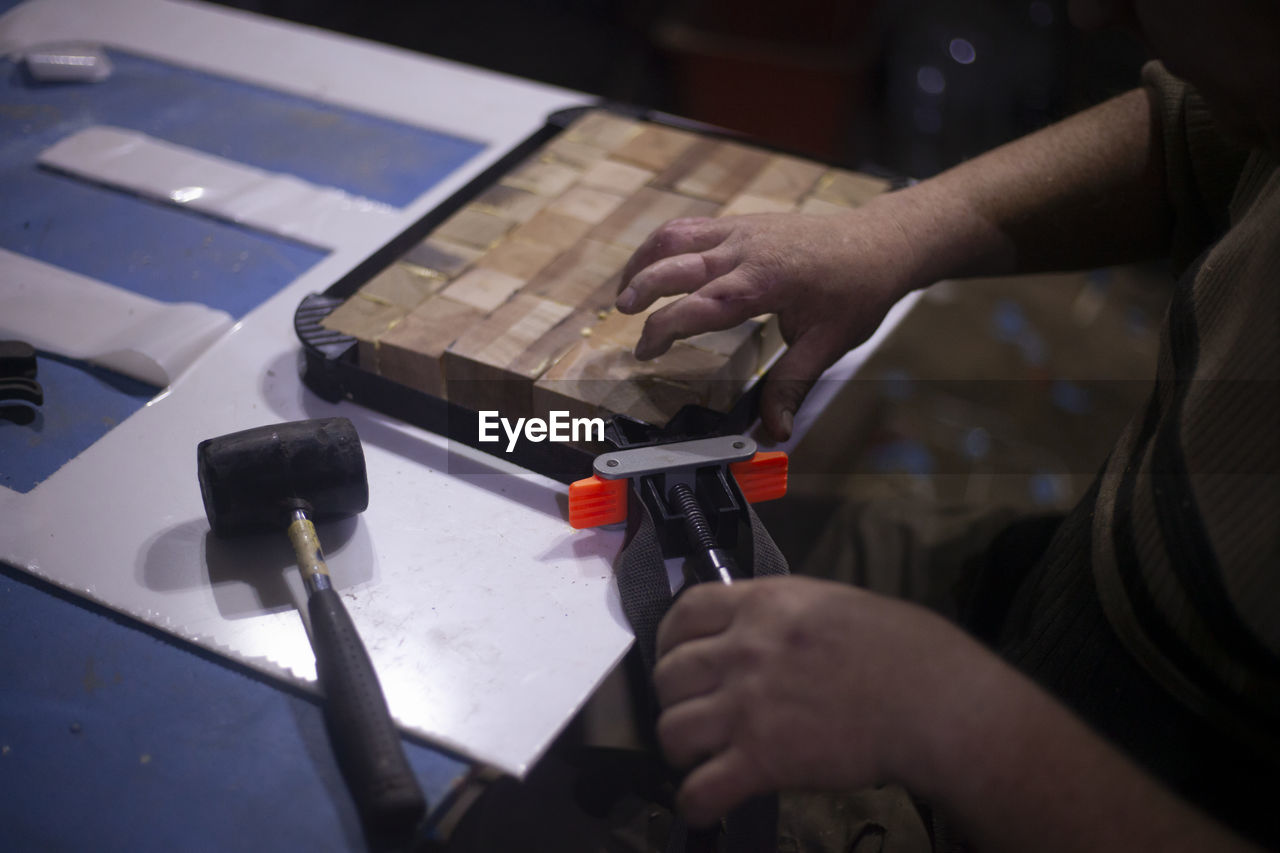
(252, 481)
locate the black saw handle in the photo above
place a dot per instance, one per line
(365, 740)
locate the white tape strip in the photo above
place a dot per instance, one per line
(68, 314)
(268, 201)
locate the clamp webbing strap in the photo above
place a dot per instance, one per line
(642, 575)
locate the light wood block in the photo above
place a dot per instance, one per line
(612, 176)
(553, 230)
(745, 204)
(578, 155)
(602, 130)
(818, 207)
(518, 258)
(542, 178)
(364, 318)
(483, 289)
(403, 285)
(640, 215)
(411, 351)
(473, 227)
(728, 168)
(849, 189)
(655, 148)
(587, 204)
(786, 179)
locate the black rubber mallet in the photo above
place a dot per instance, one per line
(287, 476)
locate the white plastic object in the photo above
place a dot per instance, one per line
(68, 63)
(69, 314)
(268, 201)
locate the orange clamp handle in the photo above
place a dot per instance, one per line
(594, 502)
(763, 477)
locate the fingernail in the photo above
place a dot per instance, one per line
(626, 300)
(788, 423)
(644, 350)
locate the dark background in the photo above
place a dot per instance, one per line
(912, 86)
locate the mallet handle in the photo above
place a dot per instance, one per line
(365, 740)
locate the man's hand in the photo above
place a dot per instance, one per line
(830, 280)
(1086, 192)
(797, 683)
(793, 682)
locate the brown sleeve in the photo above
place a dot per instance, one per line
(1201, 165)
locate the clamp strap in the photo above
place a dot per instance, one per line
(642, 574)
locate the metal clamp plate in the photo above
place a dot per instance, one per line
(669, 458)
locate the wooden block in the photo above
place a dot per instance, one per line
(744, 204)
(405, 285)
(587, 204)
(483, 289)
(568, 152)
(510, 203)
(441, 256)
(818, 207)
(488, 366)
(618, 330)
(615, 177)
(655, 147)
(518, 258)
(506, 334)
(602, 129)
(548, 349)
(640, 215)
(411, 351)
(364, 318)
(786, 179)
(553, 230)
(473, 227)
(577, 276)
(590, 379)
(548, 179)
(686, 163)
(723, 173)
(623, 330)
(849, 189)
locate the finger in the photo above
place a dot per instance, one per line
(722, 304)
(694, 730)
(688, 670)
(789, 383)
(716, 786)
(700, 612)
(677, 237)
(669, 276)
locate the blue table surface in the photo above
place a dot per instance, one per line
(163, 251)
(114, 736)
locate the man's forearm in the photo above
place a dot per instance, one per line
(1085, 192)
(1018, 772)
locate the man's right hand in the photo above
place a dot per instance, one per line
(830, 279)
